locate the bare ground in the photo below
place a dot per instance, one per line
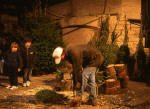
(136, 96)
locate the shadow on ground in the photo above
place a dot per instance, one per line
(49, 82)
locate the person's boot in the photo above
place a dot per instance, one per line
(92, 102)
(24, 84)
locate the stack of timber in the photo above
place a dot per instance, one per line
(111, 72)
(112, 86)
(118, 72)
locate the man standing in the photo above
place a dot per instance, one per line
(29, 57)
(85, 60)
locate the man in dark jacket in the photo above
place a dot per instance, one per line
(29, 57)
(84, 59)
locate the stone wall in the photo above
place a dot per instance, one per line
(77, 35)
(132, 8)
(133, 32)
(84, 35)
(75, 12)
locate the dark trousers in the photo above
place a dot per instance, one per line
(27, 74)
(13, 77)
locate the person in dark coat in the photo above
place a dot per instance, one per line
(3, 48)
(85, 60)
(13, 63)
(29, 57)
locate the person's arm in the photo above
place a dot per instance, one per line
(77, 69)
(20, 62)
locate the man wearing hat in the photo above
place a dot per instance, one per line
(85, 60)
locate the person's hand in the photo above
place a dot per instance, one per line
(19, 69)
(78, 85)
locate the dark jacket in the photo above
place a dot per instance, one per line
(3, 50)
(13, 60)
(82, 56)
(28, 56)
